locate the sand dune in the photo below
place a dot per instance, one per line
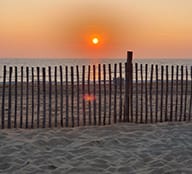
(121, 148)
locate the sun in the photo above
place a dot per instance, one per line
(95, 40)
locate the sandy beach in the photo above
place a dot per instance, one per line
(121, 148)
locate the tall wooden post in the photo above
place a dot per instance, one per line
(128, 85)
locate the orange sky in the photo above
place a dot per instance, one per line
(62, 28)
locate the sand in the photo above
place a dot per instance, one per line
(121, 148)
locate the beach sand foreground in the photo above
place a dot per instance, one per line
(121, 148)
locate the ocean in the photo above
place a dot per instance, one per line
(80, 62)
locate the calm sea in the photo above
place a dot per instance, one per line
(80, 62)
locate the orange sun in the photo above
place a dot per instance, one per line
(95, 40)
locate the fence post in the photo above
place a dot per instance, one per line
(32, 83)
(66, 97)
(190, 104)
(151, 94)
(94, 92)
(146, 94)
(177, 92)
(78, 88)
(181, 95)
(105, 93)
(172, 79)
(186, 91)
(156, 93)
(120, 92)
(136, 91)
(61, 95)
(3, 98)
(115, 94)
(72, 97)
(141, 88)
(162, 87)
(83, 92)
(27, 97)
(50, 97)
(9, 104)
(15, 117)
(38, 96)
(110, 92)
(21, 100)
(55, 73)
(99, 79)
(128, 84)
(166, 93)
(44, 97)
(88, 84)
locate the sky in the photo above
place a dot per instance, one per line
(65, 28)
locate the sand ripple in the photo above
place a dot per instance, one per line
(122, 148)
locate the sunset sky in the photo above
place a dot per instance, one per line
(65, 28)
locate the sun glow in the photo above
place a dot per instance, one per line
(95, 43)
(95, 40)
(89, 97)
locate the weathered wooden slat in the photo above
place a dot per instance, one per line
(50, 97)
(32, 98)
(151, 95)
(120, 92)
(190, 103)
(94, 93)
(146, 94)
(181, 96)
(27, 98)
(176, 93)
(115, 94)
(10, 96)
(162, 86)
(110, 93)
(78, 91)
(38, 96)
(72, 97)
(136, 93)
(186, 91)
(56, 98)
(83, 92)
(61, 95)
(131, 91)
(171, 98)
(166, 93)
(156, 93)
(67, 97)
(44, 97)
(15, 114)
(141, 110)
(126, 107)
(89, 93)
(99, 78)
(105, 93)
(3, 99)
(21, 100)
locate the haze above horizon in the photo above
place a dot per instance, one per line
(70, 28)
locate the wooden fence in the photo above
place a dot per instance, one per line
(94, 95)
